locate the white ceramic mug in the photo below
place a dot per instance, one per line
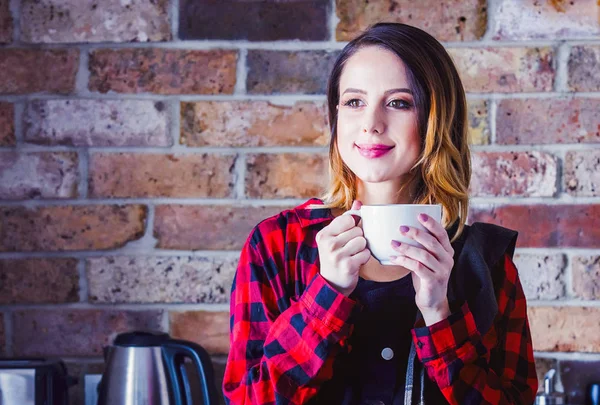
(381, 224)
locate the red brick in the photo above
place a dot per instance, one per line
(289, 175)
(60, 228)
(21, 72)
(272, 72)
(584, 68)
(253, 123)
(520, 174)
(38, 175)
(209, 329)
(223, 227)
(160, 279)
(75, 332)
(586, 277)
(547, 121)
(445, 20)
(155, 175)
(7, 125)
(304, 20)
(505, 70)
(37, 281)
(582, 173)
(565, 329)
(55, 21)
(6, 22)
(97, 123)
(519, 20)
(163, 71)
(546, 225)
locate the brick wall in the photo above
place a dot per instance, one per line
(140, 142)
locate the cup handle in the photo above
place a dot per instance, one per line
(353, 212)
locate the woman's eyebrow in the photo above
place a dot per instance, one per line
(387, 92)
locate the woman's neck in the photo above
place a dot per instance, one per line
(381, 193)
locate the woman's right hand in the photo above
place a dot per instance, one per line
(342, 250)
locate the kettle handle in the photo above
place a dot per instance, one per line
(173, 351)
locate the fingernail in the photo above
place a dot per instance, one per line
(423, 217)
(404, 228)
(395, 243)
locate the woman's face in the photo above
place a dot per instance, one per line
(377, 134)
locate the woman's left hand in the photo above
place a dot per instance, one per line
(430, 267)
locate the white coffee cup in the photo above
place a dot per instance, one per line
(381, 224)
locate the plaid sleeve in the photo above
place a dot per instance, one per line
(468, 368)
(281, 348)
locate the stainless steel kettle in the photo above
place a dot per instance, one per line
(148, 368)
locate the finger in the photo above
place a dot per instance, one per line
(353, 246)
(356, 204)
(428, 241)
(418, 254)
(342, 239)
(437, 230)
(422, 271)
(361, 257)
(339, 225)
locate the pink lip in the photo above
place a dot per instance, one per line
(373, 150)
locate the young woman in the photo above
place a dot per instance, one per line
(316, 319)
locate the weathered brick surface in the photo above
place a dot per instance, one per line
(542, 366)
(35, 281)
(97, 123)
(519, 20)
(575, 376)
(163, 71)
(38, 175)
(7, 124)
(586, 277)
(445, 20)
(21, 72)
(546, 225)
(209, 329)
(160, 279)
(584, 68)
(518, 174)
(6, 22)
(272, 72)
(542, 276)
(289, 175)
(56, 21)
(544, 121)
(582, 173)
(156, 175)
(75, 332)
(58, 228)
(304, 20)
(505, 70)
(479, 122)
(253, 123)
(223, 227)
(565, 329)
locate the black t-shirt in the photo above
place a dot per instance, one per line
(374, 371)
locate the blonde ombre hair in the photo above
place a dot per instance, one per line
(442, 173)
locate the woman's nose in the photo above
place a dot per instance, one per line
(373, 123)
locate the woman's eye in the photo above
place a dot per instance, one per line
(399, 104)
(352, 102)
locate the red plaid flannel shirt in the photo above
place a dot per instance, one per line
(287, 324)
